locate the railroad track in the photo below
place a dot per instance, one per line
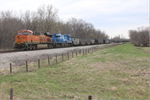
(8, 51)
(21, 50)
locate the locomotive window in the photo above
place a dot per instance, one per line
(57, 36)
(37, 34)
(25, 33)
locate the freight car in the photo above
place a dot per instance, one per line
(75, 41)
(86, 41)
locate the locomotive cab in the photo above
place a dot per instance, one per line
(22, 36)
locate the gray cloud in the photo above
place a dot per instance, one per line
(113, 16)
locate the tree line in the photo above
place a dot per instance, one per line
(45, 19)
(118, 39)
(140, 37)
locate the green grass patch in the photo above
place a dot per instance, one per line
(128, 49)
(117, 73)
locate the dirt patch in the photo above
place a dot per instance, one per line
(113, 88)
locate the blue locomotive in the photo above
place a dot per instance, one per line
(59, 39)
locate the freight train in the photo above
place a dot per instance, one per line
(29, 40)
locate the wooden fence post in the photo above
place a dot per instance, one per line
(27, 66)
(49, 61)
(68, 55)
(56, 58)
(11, 94)
(86, 51)
(76, 53)
(39, 63)
(89, 97)
(10, 68)
(80, 51)
(62, 57)
(83, 51)
(72, 53)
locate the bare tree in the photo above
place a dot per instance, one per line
(140, 37)
(9, 25)
(45, 19)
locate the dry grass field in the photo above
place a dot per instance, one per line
(117, 73)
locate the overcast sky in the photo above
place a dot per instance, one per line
(115, 17)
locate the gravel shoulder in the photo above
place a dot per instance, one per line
(18, 58)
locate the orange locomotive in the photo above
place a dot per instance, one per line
(28, 40)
